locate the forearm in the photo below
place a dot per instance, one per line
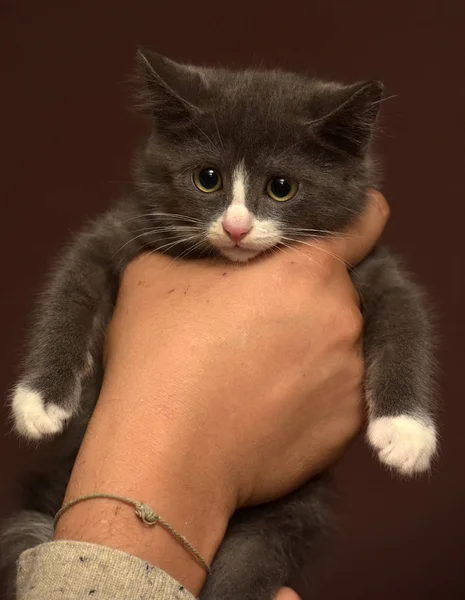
(131, 450)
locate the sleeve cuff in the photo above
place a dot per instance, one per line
(76, 570)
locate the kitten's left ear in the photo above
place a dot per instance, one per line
(167, 88)
(349, 124)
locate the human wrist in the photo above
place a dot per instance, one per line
(131, 456)
(113, 524)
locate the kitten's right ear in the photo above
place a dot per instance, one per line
(351, 114)
(166, 88)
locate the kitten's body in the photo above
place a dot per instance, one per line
(251, 128)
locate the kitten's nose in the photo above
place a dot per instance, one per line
(235, 231)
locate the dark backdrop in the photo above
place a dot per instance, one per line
(67, 139)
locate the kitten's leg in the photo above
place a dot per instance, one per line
(68, 331)
(263, 544)
(399, 384)
(42, 496)
(23, 531)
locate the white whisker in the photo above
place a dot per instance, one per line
(294, 249)
(172, 244)
(175, 215)
(172, 216)
(174, 228)
(191, 249)
(317, 247)
(186, 252)
(133, 239)
(326, 233)
(155, 230)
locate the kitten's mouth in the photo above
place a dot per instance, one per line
(264, 236)
(243, 251)
(238, 253)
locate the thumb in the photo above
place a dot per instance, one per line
(286, 593)
(362, 236)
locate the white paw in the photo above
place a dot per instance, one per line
(34, 420)
(403, 443)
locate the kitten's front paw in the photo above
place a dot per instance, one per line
(403, 443)
(33, 418)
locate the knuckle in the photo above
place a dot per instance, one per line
(355, 417)
(357, 372)
(325, 267)
(350, 322)
(354, 374)
(382, 205)
(130, 274)
(353, 405)
(328, 262)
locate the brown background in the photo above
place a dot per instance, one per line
(67, 140)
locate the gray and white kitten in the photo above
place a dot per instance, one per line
(238, 162)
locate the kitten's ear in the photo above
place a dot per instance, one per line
(166, 88)
(350, 121)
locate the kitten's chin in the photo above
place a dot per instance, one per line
(237, 254)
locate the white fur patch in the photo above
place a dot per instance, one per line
(263, 234)
(239, 186)
(403, 443)
(34, 420)
(237, 212)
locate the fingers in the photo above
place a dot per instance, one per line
(363, 235)
(286, 593)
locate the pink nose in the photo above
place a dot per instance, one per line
(236, 232)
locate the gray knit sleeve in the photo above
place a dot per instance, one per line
(77, 570)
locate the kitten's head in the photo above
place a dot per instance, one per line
(242, 161)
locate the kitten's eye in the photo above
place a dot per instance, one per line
(207, 180)
(281, 189)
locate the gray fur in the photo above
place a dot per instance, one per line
(24, 530)
(277, 123)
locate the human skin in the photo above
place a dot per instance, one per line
(225, 386)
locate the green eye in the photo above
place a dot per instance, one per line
(207, 180)
(281, 189)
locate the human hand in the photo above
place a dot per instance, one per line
(233, 384)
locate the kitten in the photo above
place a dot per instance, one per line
(237, 162)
